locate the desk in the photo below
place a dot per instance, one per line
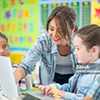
(34, 93)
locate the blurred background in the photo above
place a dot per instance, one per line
(22, 21)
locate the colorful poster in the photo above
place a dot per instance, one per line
(95, 12)
(75, 6)
(53, 6)
(19, 21)
(64, 4)
(44, 14)
(81, 7)
(98, 1)
(86, 11)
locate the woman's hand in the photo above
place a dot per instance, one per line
(45, 89)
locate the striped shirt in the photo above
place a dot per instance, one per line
(95, 90)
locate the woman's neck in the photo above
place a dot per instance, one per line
(64, 50)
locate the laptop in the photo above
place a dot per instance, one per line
(9, 87)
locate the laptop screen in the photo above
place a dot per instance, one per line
(8, 85)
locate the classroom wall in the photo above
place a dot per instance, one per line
(27, 20)
(19, 22)
(22, 21)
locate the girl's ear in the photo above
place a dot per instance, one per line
(95, 50)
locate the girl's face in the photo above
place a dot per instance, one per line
(3, 47)
(82, 55)
(54, 34)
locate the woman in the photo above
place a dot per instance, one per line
(53, 48)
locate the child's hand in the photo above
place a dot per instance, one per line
(45, 89)
(61, 93)
(58, 93)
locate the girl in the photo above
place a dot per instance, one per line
(87, 52)
(53, 49)
(4, 52)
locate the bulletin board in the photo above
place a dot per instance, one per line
(19, 22)
(22, 21)
(95, 13)
(81, 7)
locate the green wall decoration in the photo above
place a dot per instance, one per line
(19, 22)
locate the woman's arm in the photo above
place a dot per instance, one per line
(29, 61)
(19, 74)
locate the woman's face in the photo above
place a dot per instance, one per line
(3, 47)
(55, 35)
